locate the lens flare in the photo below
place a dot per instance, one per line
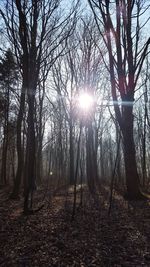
(85, 101)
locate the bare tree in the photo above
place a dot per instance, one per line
(126, 55)
(40, 29)
(8, 81)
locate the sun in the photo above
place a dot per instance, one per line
(85, 101)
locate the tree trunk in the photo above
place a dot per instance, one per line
(39, 167)
(132, 177)
(5, 141)
(91, 161)
(71, 154)
(102, 172)
(76, 174)
(4, 160)
(144, 173)
(16, 187)
(30, 154)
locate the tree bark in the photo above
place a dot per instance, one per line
(132, 177)
(17, 182)
(30, 154)
(91, 161)
(5, 141)
(4, 160)
(71, 153)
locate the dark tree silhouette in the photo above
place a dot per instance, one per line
(126, 57)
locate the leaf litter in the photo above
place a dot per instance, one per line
(50, 238)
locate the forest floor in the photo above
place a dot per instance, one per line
(49, 238)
